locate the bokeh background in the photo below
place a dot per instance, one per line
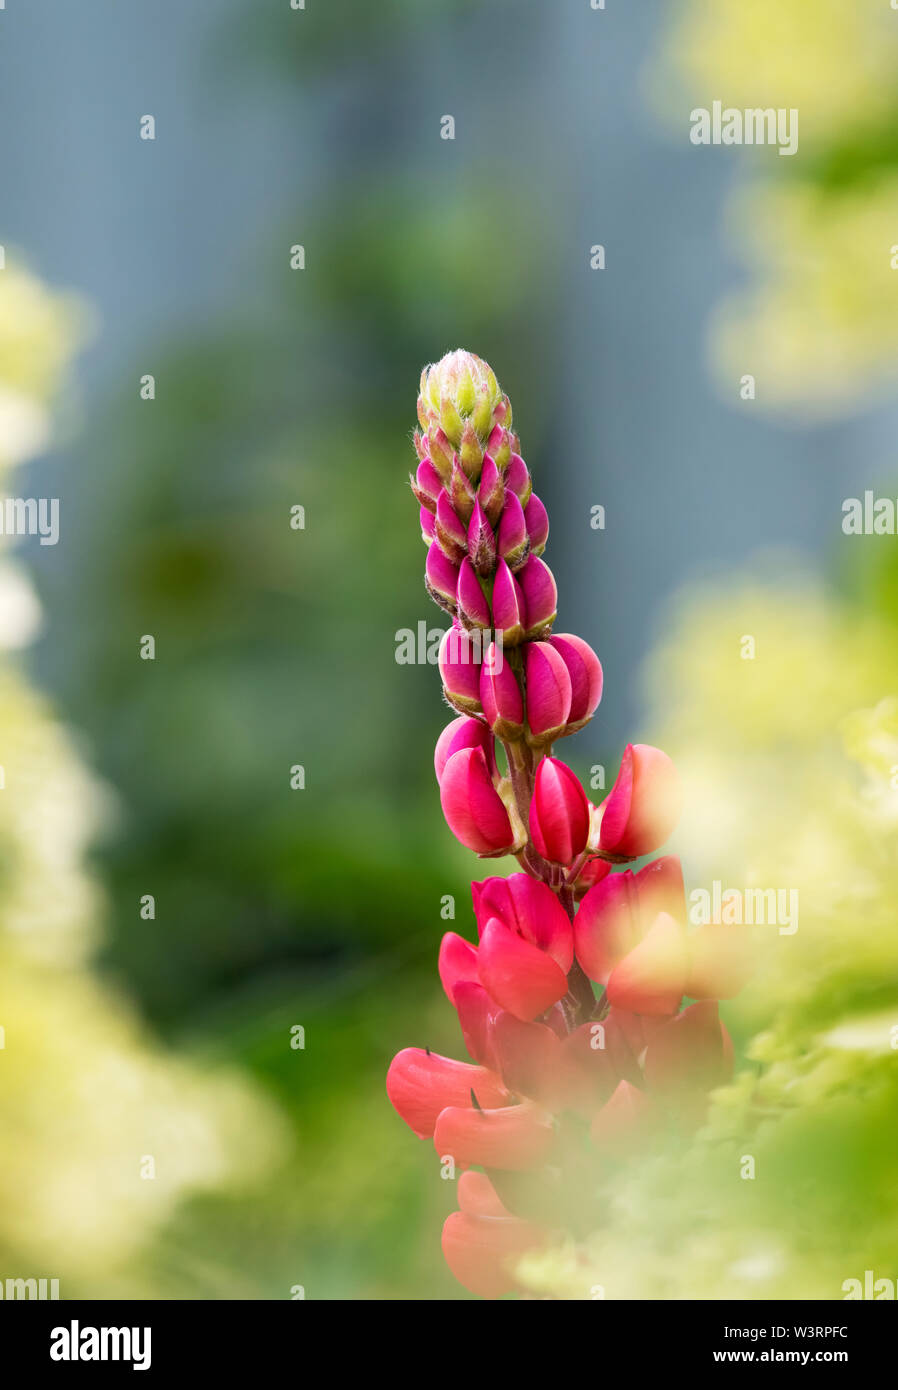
(278, 1166)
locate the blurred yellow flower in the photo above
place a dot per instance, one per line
(39, 332)
(834, 61)
(819, 330)
(102, 1133)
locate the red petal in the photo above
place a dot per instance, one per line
(624, 1122)
(482, 1251)
(518, 976)
(458, 961)
(652, 978)
(516, 1137)
(478, 1197)
(420, 1084)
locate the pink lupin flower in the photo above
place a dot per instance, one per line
(513, 541)
(644, 804)
(464, 732)
(481, 542)
(559, 813)
(526, 1007)
(441, 578)
(500, 694)
(540, 597)
(548, 692)
(509, 607)
(537, 519)
(474, 811)
(473, 608)
(427, 485)
(449, 531)
(517, 479)
(585, 671)
(491, 490)
(421, 1084)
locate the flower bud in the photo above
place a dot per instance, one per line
(470, 452)
(514, 543)
(491, 492)
(499, 446)
(585, 671)
(540, 597)
(500, 694)
(428, 526)
(461, 388)
(481, 542)
(464, 732)
(473, 608)
(537, 519)
(548, 692)
(451, 421)
(462, 493)
(459, 662)
(482, 414)
(440, 451)
(509, 608)
(644, 804)
(474, 811)
(559, 813)
(517, 479)
(426, 485)
(449, 531)
(441, 578)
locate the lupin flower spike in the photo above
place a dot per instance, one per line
(526, 994)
